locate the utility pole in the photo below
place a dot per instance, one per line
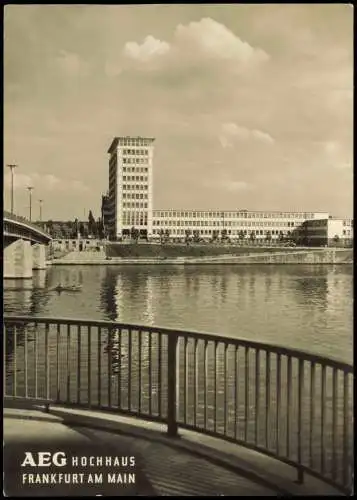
(12, 168)
(30, 188)
(40, 202)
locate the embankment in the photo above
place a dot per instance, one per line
(273, 256)
(170, 251)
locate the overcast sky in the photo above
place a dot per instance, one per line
(251, 105)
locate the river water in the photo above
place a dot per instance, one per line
(306, 307)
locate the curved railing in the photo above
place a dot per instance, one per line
(25, 222)
(291, 405)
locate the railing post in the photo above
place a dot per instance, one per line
(300, 471)
(171, 384)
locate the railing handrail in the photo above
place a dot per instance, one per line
(24, 222)
(239, 341)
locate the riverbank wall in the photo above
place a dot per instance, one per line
(170, 251)
(301, 256)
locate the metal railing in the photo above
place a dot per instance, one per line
(288, 404)
(25, 224)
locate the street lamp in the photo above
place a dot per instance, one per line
(30, 188)
(12, 168)
(40, 202)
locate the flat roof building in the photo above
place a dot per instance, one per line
(129, 205)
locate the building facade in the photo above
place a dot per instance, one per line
(130, 195)
(128, 207)
(331, 231)
(231, 225)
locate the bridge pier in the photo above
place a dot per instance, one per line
(18, 260)
(38, 256)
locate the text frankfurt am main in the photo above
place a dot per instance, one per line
(121, 469)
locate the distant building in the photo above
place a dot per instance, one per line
(331, 231)
(130, 186)
(76, 244)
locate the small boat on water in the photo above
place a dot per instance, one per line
(69, 288)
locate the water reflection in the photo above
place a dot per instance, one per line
(299, 306)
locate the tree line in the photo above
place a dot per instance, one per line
(72, 229)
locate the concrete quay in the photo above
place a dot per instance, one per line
(190, 465)
(313, 256)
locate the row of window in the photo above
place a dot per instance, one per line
(141, 178)
(221, 223)
(236, 215)
(135, 160)
(134, 221)
(135, 196)
(138, 141)
(130, 213)
(233, 232)
(138, 187)
(136, 204)
(136, 152)
(135, 169)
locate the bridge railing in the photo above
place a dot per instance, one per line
(290, 405)
(22, 220)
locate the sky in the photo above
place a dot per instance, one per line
(251, 105)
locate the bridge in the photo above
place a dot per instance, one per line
(250, 416)
(24, 246)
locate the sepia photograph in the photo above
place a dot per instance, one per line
(178, 250)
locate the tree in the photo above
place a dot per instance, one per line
(241, 235)
(252, 236)
(81, 229)
(92, 229)
(167, 235)
(75, 228)
(187, 236)
(268, 236)
(224, 235)
(162, 236)
(196, 236)
(215, 235)
(50, 227)
(336, 239)
(134, 234)
(100, 229)
(71, 229)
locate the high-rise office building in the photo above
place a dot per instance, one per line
(130, 186)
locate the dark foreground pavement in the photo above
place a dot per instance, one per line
(163, 466)
(73, 473)
(159, 469)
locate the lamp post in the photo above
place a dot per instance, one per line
(12, 168)
(40, 202)
(30, 188)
